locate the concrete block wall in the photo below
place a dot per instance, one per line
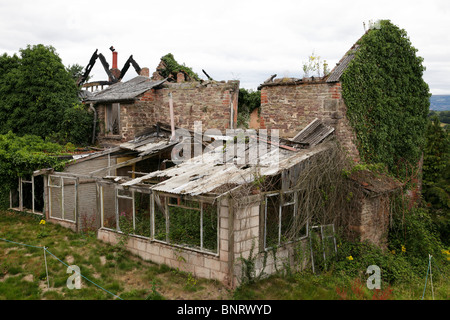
(200, 264)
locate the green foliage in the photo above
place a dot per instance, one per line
(248, 101)
(412, 238)
(172, 67)
(35, 91)
(315, 66)
(76, 125)
(20, 156)
(444, 116)
(436, 176)
(387, 99)
(413, 235)
(76, 71)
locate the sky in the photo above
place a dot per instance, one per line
(241, 40)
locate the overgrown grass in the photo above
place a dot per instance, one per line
(23, 275)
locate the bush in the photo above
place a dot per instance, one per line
(20, 156)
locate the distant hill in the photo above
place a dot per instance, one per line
(440, 102)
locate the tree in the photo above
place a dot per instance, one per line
(35, 91)
(76, 71)
(436, 176)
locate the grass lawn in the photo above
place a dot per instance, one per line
(23, 273)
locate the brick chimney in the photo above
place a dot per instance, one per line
(114, 63)
(114, 70)
(145, 72)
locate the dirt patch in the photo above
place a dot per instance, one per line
(29, 278)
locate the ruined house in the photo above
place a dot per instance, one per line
(206, 214)
(125, 109)
(290, 104)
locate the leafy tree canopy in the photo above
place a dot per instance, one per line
(387, 99)
(35, 91)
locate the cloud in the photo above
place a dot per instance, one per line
(247, 39)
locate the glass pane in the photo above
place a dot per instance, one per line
(210, 227)
(142, 214)
(54, 181)
(184, 226)
(287, 222)
(55, 195)
(159, 218)
(109, 207)
(124, 193)
(69, 199)
(125, 209)
(272, 220)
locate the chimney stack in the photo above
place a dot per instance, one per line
(115, 71)
(114, 63)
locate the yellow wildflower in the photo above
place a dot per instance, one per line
(350, 258)
(403, 248)
(446, 252)
(42, 221)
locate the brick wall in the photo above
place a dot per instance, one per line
(211, 102)
(290, 107)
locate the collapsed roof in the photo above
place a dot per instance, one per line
(125, 91)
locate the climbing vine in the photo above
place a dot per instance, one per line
(387, 99)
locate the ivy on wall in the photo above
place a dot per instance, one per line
(387, 99)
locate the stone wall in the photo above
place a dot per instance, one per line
(290, 106)
(214, 103)
(375, 220)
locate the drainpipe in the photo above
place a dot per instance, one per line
(172, 121)
(95, 122)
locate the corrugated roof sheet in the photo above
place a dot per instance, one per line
(338, 71)
(313, 133)
(205, 173)
(128, 90)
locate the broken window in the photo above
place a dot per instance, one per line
(282, 223)
(185, 223)
(112, 118)
(29, 195)
(62, 198)
(142, 214)
(133, 211)
(160, 221)
(108, 207)
(125, 210)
